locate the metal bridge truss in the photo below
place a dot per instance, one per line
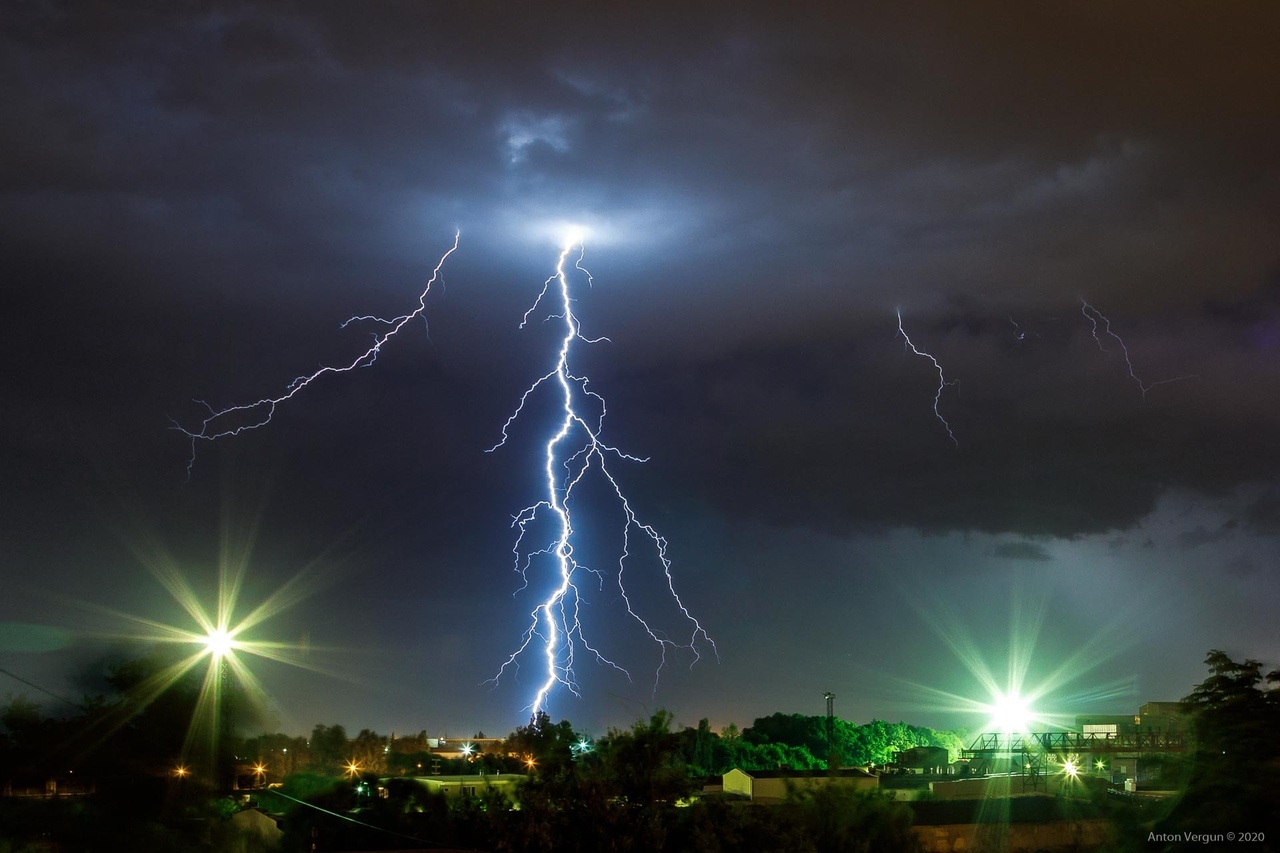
(993, 744)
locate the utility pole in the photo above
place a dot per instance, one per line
(831, 726)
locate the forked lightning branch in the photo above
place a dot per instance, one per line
(573, 453)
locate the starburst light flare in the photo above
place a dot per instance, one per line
(1014, 688)
(573, 451)
(216, 642)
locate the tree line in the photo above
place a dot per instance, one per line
(618, 792)
(776, 742)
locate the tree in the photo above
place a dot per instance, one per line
(369, 751)
(1236, 763)
(807, 731)
(281, 754)
(329, 748)
(645, 764)
(549, 745)
(835, 818)
(698, 748)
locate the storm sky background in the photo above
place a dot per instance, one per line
(194, 196)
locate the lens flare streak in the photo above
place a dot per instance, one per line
(574, 450)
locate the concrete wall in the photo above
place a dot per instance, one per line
(776, 788)
(452, 786)
(1047, 837)
(982, 788)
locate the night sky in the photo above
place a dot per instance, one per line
(194, 196)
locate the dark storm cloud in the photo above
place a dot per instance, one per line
(1263, 515)
(1054, 437)
(1021, 551)
(193, 196)
(1203, 536)
(982, 168)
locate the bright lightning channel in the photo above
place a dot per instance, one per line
(942, 379)
(233, 420)
(572, 451)
(1093, 315)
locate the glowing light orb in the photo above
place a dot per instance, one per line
(1010, 713)
(574, 234)
(219, 643)
(1069, 768)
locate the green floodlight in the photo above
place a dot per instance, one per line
(1010, 713)
(219, 643)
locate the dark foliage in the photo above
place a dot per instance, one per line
(1235, 770)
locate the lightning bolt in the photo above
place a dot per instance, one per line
(942, 379)
(1093, 315)
(1018, 334)
(574, 450)
(233, 420)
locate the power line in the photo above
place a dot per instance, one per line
(350, 819)
(35, 686)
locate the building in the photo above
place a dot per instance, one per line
(768, 787)
(471, 784)
(927, 760)
(1167, 717)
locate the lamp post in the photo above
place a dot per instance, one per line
(219, 644)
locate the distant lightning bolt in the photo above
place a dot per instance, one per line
(571, 452)
(233, 420)
(942, 379)
(1093, 315)
(1018, 334)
